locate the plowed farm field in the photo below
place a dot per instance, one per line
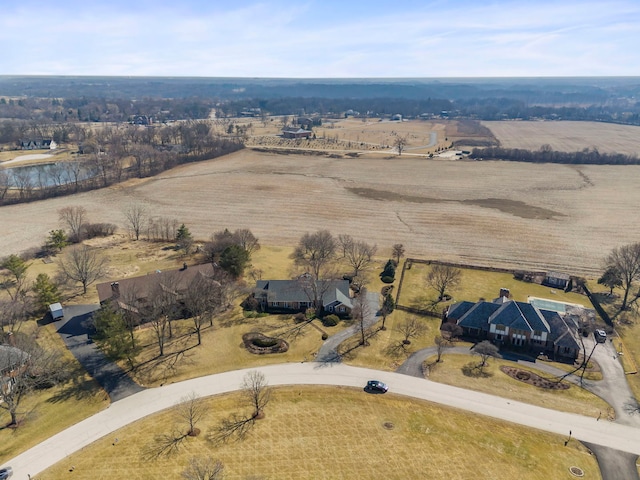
(568, 136)
(550, 217)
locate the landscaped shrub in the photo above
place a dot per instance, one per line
(325, 335)
(330, 320)
(386, 279)
(92, 230)
(299, 317)
(389, 271)
(259, 344)
(265, 342)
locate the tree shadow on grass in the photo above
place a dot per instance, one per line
(474, 370)
(79, 387)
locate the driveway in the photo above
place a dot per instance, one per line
(329, 350)
(147, 402)
(74, 330)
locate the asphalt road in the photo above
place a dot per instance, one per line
(74, 330)
(134, 407)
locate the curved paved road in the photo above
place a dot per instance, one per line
(147, 402)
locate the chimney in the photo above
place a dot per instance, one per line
(115, 289)
(504, 292)
(184, 266)
(11, 340)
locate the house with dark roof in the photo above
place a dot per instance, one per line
(133, 293)
(296, 132)
(38, 144)
(517, 324)
(299, 294)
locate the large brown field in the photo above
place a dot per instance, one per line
(568, 136)
(497, 213)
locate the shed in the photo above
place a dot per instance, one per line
(56, 311)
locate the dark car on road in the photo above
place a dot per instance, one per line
(6, 473)
(376, 386)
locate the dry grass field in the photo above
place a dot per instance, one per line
(329, 433)
(568, 136)
(493, 213)
(451, 371)
(45, 412)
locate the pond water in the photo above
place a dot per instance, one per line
(47, 174)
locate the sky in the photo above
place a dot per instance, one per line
(320, 38)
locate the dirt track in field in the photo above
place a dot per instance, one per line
(491, 213)
(568, 136)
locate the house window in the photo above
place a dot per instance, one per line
(498, 337)
(537, 333)
(341, 309)
(500, 327)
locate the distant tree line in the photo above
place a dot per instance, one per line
(114, 154)
(546, 154)
(100, 109)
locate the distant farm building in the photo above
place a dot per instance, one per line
(296, 132)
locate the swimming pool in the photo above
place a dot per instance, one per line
(552, 305)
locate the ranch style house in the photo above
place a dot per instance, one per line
(298, 295)
(132, 294)
(518, 325)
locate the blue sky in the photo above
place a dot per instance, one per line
(320, 38)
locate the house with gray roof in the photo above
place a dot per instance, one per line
(297, 295)
(517, 324)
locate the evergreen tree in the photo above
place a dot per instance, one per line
(184, 240)
(46, 292)
(234, 260)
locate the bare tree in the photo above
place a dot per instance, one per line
(400, 142)
(191, 409)
(358, 254)
(5, 183)
(247, 240)
(202, 299)
(204, 469)
(443, 277)
(73, 218)
(626, 260)
(451, 330)
(83, 264)
(255, 392)
(361, 313)
(411, 328)
(315, 253)
(255, 389)
(136, 216)
(388, 306)
(441, 344)
(484, 350)
(397, 252)
(30, 367)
